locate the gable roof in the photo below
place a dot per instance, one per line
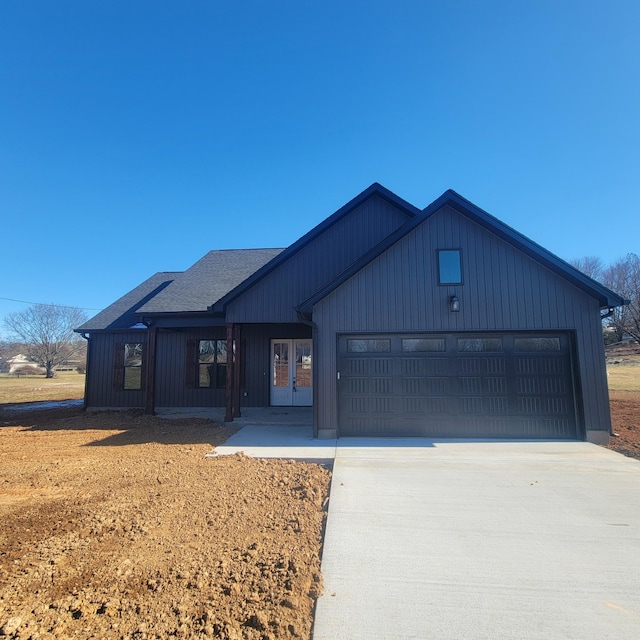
(122, 313)
(374, 190)
(605, 297)
(208, 280)
(214, 275)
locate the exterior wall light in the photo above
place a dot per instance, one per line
(454, 304)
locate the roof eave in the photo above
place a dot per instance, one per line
(606, 298)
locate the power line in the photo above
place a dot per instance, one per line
(50, 304)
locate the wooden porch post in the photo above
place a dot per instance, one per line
(150, 405)
(237, 357)
(228, 417)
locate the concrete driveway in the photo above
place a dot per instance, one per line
(465, 540)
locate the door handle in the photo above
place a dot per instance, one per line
(294, 385)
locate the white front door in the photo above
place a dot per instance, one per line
(291, 378)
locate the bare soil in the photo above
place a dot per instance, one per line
(625, 401)
(116, 526)
(625, 418)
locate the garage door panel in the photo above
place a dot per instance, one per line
(413, 405)
(546, 366)
(544, 406)
(381, 385)
(541, 386)
(482, 366)
(436, 386)
(547, 428)
(470, 384)
(497, 386)
(492, 406)
(481, 386)
(412, 366)
(356, 366)
(413, 386)
(436, 366)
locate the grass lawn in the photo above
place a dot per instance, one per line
(67, 385)
(624, 378)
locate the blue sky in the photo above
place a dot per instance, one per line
(136, 136)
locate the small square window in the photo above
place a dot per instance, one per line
(449, 266)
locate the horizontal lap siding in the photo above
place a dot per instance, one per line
(275, 297)
(503, 289)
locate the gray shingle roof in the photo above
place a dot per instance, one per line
(208, 280)
(122, 313)
(212, 277)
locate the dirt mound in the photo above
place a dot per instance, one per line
(115, 525)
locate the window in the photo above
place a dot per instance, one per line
(423, 344)
(536, 344)
(212, 364)
(368, 346)
(132, 365)
(449, 267)
(479, 344)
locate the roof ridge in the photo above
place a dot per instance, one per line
(465, 207)
(374, 189)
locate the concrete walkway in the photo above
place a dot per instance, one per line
(473, 540)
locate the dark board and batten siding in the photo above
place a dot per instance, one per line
(101, 392)
(503, 290)
(256, 341)
(171, 384)
(274, 298)
(172, 389)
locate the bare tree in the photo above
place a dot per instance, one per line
(47, 330)
(589, 265)
(623, 277)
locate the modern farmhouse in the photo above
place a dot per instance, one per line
(388, 320)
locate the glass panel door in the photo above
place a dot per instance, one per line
(291, 382)
(281, 374)
(302, 383)
(303, 364)
(280, 364)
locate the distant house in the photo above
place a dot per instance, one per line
(21, 363)
(387, 319)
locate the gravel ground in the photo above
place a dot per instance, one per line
(115, 526)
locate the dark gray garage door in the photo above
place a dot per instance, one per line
(513, 385)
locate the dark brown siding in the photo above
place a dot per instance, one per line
(503, 290)
(274, 298)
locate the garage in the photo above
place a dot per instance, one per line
(457, 385)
